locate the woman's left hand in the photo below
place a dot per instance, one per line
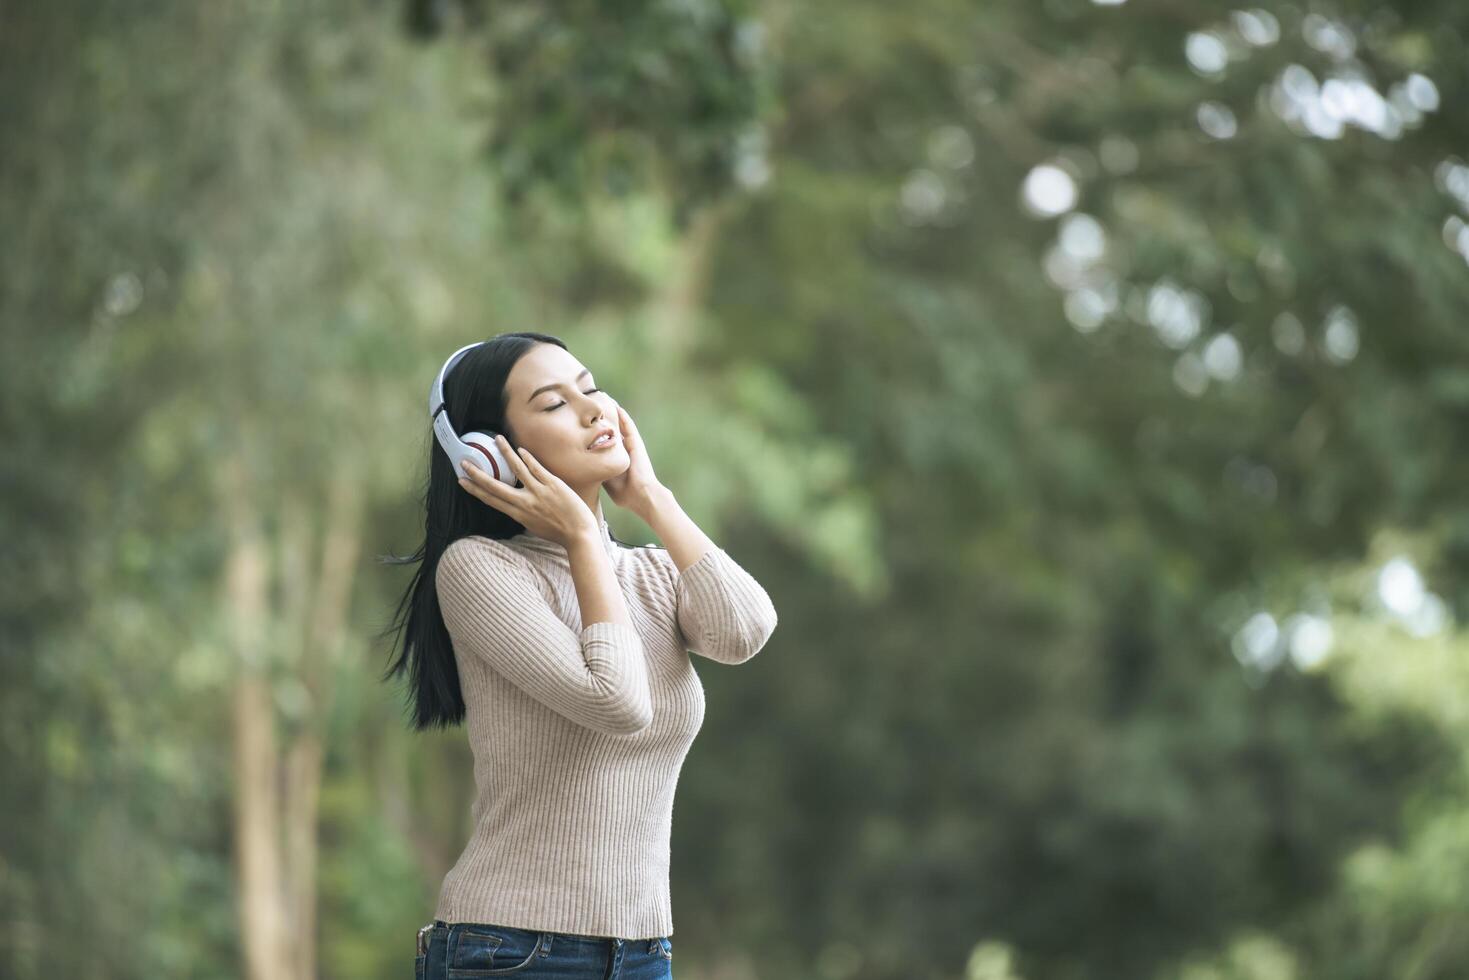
(636, 485)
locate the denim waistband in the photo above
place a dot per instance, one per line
(611, 941)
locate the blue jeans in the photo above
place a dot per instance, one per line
(471, 950)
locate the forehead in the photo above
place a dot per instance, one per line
(543, 364)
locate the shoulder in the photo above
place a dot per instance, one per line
(476, 556)
(477, 547)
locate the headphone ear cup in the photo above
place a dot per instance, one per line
(488, 457)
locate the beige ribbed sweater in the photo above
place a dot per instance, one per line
(578, 733)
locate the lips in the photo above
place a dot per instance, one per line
(600, 433)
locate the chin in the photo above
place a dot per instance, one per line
(617, 463)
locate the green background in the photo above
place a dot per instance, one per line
(1088, 384)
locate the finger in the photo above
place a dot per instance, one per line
(472, 488)
(517, 464)
(486, 487)
(541, 473)
(480, 478)
(480, 491)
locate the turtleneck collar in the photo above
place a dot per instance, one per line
(536, 540)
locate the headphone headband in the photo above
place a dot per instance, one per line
(436, 393)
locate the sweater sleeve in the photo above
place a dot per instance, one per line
(495, 611)
(722, 612)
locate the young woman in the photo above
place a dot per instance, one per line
(567, 653)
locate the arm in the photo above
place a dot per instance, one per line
(494, 610)
(722, 612)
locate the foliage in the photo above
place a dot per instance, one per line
(1073, 366)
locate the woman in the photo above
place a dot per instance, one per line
(568, 654)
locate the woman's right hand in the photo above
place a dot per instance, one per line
(543, 503)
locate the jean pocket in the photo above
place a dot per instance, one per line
(665, 946)
(490, 951)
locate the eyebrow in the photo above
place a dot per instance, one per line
(557, 384)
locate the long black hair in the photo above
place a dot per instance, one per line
(475, 398)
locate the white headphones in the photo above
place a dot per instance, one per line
(477, 447)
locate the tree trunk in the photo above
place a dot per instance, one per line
(277, 793)
(322, 643)
(263, 933)
(676, 305)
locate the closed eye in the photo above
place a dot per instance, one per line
(559, 404)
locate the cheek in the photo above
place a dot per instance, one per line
(560, 439)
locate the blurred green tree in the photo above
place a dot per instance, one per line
(1048, 345)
